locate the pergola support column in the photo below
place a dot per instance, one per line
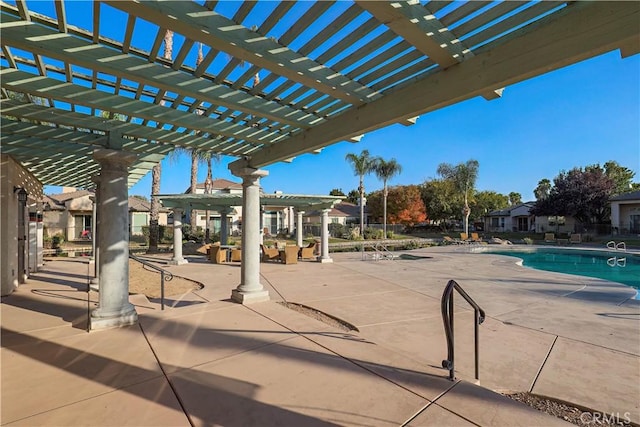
(224, 226)
(324, 254)
(94, 283)
(250, 289)
(114, 308)
(177, 259)
(299, 231)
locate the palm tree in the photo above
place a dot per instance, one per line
(154, 231)
(463, 177)
(208, 156)
(543, 189)
(196, 158)
(362, 165)
(385, 170)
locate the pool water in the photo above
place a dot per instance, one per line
(615, 266)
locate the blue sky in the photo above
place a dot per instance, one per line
(573, 117)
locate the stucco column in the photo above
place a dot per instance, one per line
(250, 289)
(325, 237)
(299, 231)
(114, 308)
(94, 283)
(224, 226)
(177, 238)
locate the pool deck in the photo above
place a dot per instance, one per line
(208, 361)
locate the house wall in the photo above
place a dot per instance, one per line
(12, 174)
(543, 226)
(55, 222)
(621, 216)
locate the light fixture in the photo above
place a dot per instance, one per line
(22, 194)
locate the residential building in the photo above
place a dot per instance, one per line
(71, 214)
(625, 213)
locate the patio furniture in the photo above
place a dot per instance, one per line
(269, 254)
(236, 254)
(217, 255)
(549, 237)
(289, 255)
(575, 238)
(475, 237)
(308, 252)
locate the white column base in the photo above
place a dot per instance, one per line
(249, 297)
(178, 261)
(94, 284)
(325, 260)
(113, 320)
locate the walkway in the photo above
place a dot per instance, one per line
(212, 362)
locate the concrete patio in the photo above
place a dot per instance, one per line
(208, 361)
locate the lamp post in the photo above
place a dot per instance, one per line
(22, 238)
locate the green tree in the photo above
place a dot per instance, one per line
(463, 177)
(385, 170)
(353, 196)
(362, 164)
(440, 200)
(337, 192)
(154, 229)
(542, 190)
(515, 198)
(485, 202)
(622, 177)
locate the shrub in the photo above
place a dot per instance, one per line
(390, 234)
(528, 241)
(373, 233)
(337, 230)
(57, 240)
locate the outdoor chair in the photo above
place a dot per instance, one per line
(289, 255)
(269, 254)
(475, 237)
(308, 252)
(575, 238)
(549, 237)
(217, 255)
(236, 255)
(464, 237)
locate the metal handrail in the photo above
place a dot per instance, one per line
(620, 246)
(447, 319)
(380, 251)
(164, 275)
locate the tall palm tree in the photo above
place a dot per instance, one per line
(208, 157)
(362, 164)
(463, 177)
(154, 231)
(385, 170)
(196, 159)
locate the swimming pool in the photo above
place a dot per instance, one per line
(615, 266)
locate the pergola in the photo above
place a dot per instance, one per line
(250, 238)
(99, 92)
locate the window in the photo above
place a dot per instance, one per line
(82, 226)
(556, 220)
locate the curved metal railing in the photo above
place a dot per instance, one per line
(620, 246)
(447, 319)
(164, 275)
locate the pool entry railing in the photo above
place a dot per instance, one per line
(614, 261)
(620, 246)
(164, 275)
(447, 318)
